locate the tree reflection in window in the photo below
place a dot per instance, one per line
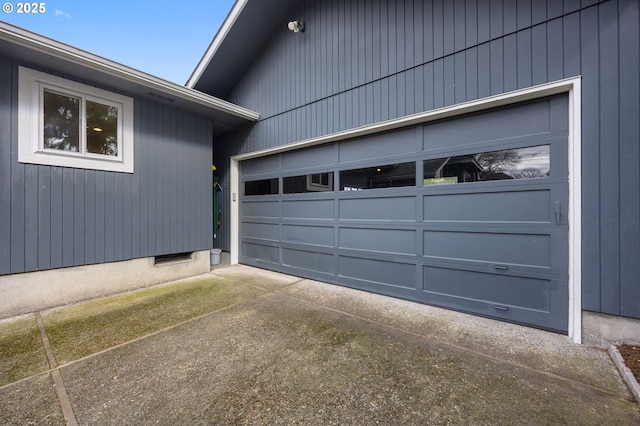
(61, 122)
(102, 129)
(519, 163)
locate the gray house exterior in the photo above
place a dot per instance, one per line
(63, 229)
(479, 155)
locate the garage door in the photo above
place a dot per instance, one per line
(467, 213)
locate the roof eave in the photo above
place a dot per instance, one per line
(36, 42)
(218, 39)
(250, 26)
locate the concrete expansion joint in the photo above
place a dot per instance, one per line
(55, 368)
(61, 390)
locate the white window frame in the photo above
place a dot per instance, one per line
(319, 186)
(31, 87)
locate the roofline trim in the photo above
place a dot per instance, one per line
(33, 41)
(220, 36)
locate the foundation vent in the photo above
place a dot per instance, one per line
(174, 257)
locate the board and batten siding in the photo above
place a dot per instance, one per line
(52, 217)
(365, 61)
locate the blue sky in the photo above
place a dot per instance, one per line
(165, 38)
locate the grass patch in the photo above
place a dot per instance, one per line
(21, 350)
(85, 329)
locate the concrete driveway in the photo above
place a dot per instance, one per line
(301, 352)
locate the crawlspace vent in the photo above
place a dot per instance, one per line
(174, 257)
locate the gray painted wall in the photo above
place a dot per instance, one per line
(365, 61)
(53, 217)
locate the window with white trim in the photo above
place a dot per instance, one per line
(69, 124)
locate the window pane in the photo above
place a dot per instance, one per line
(261, 187)
(61, 122)
(316, 182)
(519, 163)
(102, 129)
(392, 175)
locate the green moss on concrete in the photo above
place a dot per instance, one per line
(21, 350)
(88, 328)
(338, 369)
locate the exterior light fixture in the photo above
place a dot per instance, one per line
(296, 26)
(97, 129)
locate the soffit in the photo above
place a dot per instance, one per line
(237, 48)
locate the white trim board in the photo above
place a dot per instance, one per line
(570, 86)
(56, 49)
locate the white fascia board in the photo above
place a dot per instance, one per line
(220, 36)
(74, 55)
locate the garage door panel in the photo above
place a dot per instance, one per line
(399, 241)
(560, 254)
(504, 290)
(385, 208)
(308, 209)
(261, 252)
(535, 272)
(491, 227)
(265, 231)
(513, 206)
(260, 209)
(522, 249)
(308, 234)
(308, 260)
(260, 165)
(519, 121)
(307, 158)
(378, 271)
(379, 146)
(555, 321)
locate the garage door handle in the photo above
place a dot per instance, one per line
(501, 267)
(556, 207)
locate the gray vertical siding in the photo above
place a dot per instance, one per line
(6, 128)
(629, 140)
(52, 217)
(365, 61)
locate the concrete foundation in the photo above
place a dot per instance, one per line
(35, 291)
(602, 329)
